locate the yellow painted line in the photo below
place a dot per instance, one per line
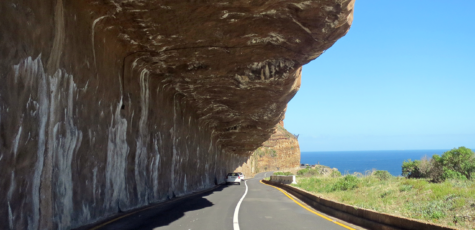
(310, 210)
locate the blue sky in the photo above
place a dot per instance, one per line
(402, 78)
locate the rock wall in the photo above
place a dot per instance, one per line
(280, 153)
(110, 105)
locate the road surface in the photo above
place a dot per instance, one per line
(263, 207)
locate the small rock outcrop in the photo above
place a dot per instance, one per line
(325, 170)
(111, 105)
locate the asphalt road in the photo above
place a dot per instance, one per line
(263, 207)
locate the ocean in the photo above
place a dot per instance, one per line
(361, 161)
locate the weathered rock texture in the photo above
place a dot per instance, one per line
(280, 153)
(109, 105)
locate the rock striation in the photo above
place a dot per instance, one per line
(111, 105)
(280, 153)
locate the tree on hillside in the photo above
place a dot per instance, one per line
(418, 168)
(454, 164)
(458, 161)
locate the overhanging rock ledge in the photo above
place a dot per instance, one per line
(111, 105)
(237, 63)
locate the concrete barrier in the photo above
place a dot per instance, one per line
(283, 179)
(358, 216)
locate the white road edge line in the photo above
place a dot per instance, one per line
(236, 211)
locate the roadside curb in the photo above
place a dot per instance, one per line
(358, 216)
(294, 199)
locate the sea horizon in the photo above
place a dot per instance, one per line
(314, 151)
(349, 162)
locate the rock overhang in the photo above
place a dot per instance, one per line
(236, 63)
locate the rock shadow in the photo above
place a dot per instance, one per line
(157, 215)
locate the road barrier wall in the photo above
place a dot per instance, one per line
(358, 216)
(283, 179)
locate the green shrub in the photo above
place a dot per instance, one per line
(436, 209)
(461, 160)
(346, 183)
(302, 172)
(454, 164)
(386, 193)
(283, 174)
(450, 174)
(260, 152)
(336, 173)
(405, 188)
(410, 169)
(382, 175)
(308, 172)
(417, 168)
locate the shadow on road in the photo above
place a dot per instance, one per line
(160, 214)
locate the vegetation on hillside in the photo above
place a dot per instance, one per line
(439, 190)
(456, 164)
(283, 174)
(263, 151)
(285, 132)
(319, 170)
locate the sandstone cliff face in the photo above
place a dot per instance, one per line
(280, 153)
(110, 105)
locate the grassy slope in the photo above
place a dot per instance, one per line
(449, 203)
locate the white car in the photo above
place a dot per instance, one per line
(233, 178)
(241, 175)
